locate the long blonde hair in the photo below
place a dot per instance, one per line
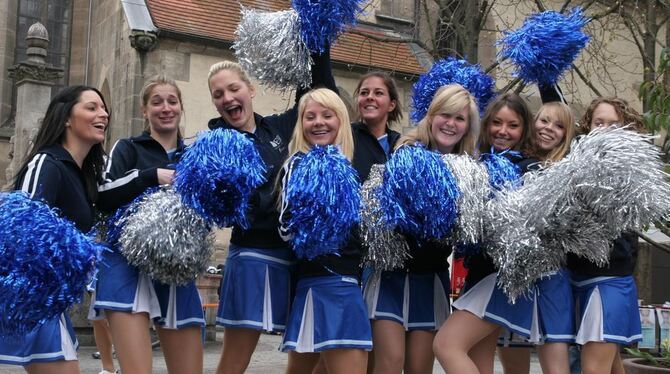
(332, 101)
(564, 116)
(448, 99)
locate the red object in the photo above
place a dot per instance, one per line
(458, 274)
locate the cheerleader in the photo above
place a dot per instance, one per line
(255, 290)
(129, 299)
(554, 131)
(606, 297)
(409, 305)
(328, 316)
(466, 342)
(62, 169)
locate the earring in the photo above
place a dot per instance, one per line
(67, 124)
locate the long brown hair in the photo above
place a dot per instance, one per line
(627, 114)
(516, 104)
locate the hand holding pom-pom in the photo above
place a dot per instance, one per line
(45, 263)
(217, 175)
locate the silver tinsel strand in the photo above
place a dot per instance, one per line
(611, 182)
(473, 183)
(167, 240)
(386, 248)
(270, 49)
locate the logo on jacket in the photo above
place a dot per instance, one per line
(276, 142)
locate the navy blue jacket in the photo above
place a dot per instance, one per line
(271, 139)
(131, 169)
(621, 263)
(367, 150)
(55, 178)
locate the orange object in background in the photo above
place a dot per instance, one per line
(458, 274)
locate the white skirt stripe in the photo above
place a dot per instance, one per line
(591, 325)
(440, 302)
(267, 303)
(306, 335)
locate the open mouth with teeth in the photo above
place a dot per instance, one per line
(235, 112)
(100, 126)
(546, 138)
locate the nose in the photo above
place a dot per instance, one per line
(503, 130)
(227, 96)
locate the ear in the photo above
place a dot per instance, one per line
(252, 90)
(394, 103)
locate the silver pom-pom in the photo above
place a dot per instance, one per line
(611, 182)
(386, 248)
(473, 183)
(270, 49)
(167, 240)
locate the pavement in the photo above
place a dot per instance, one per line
(266, 359)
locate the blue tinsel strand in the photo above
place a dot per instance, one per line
(419, 193)
(218, 174)
(45, 263)
(503, 174)
(545, 46)
(321, 21)
(323, 193)
(448, 71)
(117, 220)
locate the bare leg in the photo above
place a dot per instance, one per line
(419, 357)
(238, 346)
(346, 361)
(130, 334)
(598, 357)
(554, 358)
(617, 365)
(483, 353)
(514, 360)
(302, 363)
(182, 349)
(388, 340)
(457, 336)
(60, 367)
(103, 340)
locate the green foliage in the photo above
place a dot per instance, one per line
(656, 96)
(662, 361)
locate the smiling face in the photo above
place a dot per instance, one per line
(88, 120)
(374, 101)
(232, 98)
(505, 129)
(449, 128)
(163, 109)
(549, 130)
(320, 124)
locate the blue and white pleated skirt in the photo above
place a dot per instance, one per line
(556, 308)
(487, 301)
(417, 301)
(53, 341)
(328, 312)
(256, 289)
(608, 310)
(121, 287)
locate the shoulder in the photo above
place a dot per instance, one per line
(43, 169)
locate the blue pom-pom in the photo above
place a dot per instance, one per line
(323, 193)
(117, 220)
(45, 263)
(217, 175)
(503, 173)
(419, 193)
(449, 71)
(545, 45)
(321, 21)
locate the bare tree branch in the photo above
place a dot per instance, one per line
(540, 5)
(663, 247)
(613, 8)
(511, 85)
(586, 6)
(565, 6)
(586, 80)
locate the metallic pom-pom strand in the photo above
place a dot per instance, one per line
(473, 183)
(323, 196)
(270, 49)
(419, 193)
(166, 239)
(322, 21)
(386, 249)
(545, 46)
(448, 71)
(45, 263)
(217, 175)
(114, 222)
(611, 182)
